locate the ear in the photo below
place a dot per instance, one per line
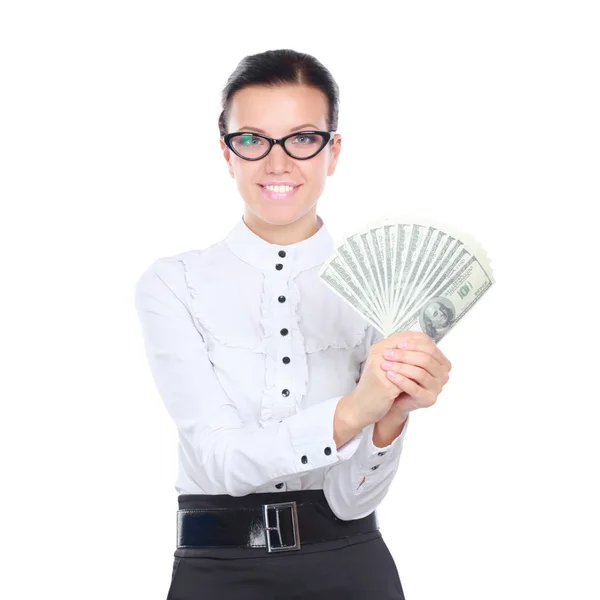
(335, 150)
(227, 156)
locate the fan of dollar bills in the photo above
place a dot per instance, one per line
(409, 274)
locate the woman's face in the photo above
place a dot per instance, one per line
(275, 112)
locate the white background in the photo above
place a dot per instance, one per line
(484, 115)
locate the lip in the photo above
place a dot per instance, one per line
(290, 183)
(279, 196)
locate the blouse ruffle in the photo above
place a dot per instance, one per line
(274, 405)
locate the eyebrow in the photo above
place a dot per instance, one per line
(247, 127)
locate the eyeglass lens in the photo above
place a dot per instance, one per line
(302, 145)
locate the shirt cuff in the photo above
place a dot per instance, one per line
(371, 452)
(311, 434)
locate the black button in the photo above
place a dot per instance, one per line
(380, 453)
(284, 331)
(282, 253)
(279, 485)
(286, 360)
(281, 298)
(328, 450)
(375, 467)
(285, 392)
(304, 460)
(279, 266)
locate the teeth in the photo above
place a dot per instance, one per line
(280, 189)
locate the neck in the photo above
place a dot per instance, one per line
(284, 234)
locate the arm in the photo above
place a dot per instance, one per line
(236, 459)
(384, 433)
(354, 488)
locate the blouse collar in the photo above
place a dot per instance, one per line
(259, 253)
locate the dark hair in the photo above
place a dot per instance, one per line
(281, 67)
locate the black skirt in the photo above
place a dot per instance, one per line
(356, 567)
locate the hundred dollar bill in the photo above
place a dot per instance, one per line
(398, 236)
(370, 248)
(359, 262)
(342, 282)
(422, 251)
(445, 267)
(396, 271)
(440, 312)
(472, 245)
(443, 248)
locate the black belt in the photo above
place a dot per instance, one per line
(279, 526)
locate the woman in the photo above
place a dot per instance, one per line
(290, 422)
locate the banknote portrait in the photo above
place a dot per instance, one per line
(436, 317)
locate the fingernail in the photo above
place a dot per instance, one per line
(386, 365)
(388, 354)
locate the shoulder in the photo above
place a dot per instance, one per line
(179, 272)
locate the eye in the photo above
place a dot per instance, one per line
(247, 139)
(311, 139)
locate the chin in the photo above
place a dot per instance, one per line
(283, 215)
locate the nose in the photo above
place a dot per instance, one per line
(277, 159)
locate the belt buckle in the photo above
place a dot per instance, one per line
(267, 527)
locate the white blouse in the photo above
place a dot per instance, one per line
(251, 352)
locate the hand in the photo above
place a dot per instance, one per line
(421, 371)
(375, 392)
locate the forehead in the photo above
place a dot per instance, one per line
(278, 109)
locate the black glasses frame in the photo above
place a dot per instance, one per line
(327, 137)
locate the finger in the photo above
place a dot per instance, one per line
(411, 387)
(419, 359)
(424, 343)
(395, 339)
(418, 375)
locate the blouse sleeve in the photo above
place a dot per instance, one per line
(236, 459)
(354, 488)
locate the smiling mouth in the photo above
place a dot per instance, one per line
(294, 187)
(279, 195)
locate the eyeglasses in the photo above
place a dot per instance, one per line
(301, 145)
